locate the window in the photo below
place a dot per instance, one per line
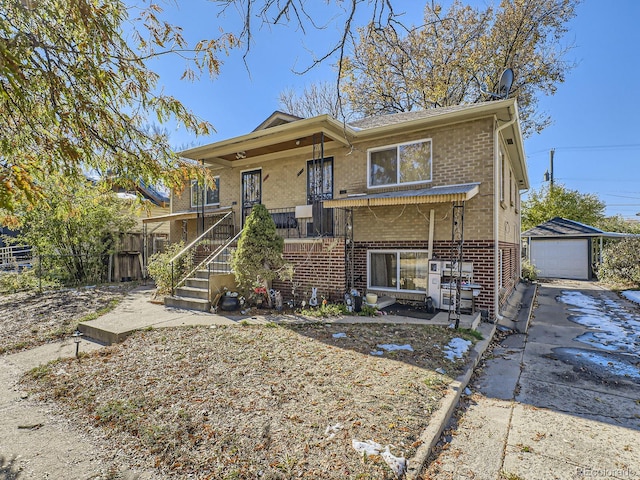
(501, 177)
(511, 189)
(406, 163)
(398, 270)
(212, 195)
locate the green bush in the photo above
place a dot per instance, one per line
(621, 262)
(529, 271)
(12, 282)
(159, 267)
(258, 259)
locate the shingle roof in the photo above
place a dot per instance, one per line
(561, 227)
(394, 118)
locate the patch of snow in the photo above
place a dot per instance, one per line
(614, 328)
(613, 366)
(377, 353)
(339, 335)
(633, 295)
(127, 196)
(390, 347)
(456, 348)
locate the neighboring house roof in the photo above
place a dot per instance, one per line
(445, 193)
(561, 227)
(283, 134)
(153, 194)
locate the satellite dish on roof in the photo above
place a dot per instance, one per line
(504, 85)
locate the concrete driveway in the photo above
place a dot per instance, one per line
(561, 402)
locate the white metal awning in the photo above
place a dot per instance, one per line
(441, 194)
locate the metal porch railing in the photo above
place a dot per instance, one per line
(208, 246)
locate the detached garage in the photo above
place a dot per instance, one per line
(567, 258)
(562, 248)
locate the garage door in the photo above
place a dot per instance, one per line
(561, 258)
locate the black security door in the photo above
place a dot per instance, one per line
(251, 191)
(320, 188)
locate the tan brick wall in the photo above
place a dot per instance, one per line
(461, 154)
(181, 201)
(509, 232)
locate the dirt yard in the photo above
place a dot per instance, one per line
(261, 401)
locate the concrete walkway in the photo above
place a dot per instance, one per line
(37, 445)
(139, 312)
(534, 416)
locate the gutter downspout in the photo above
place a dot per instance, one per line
(432, 221)
(496, 210)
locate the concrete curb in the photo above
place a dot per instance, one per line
(531, 304)
(431, 435)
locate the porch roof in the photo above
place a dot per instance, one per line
(172, 217)
(440, 194)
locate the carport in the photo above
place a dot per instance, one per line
(561, 248)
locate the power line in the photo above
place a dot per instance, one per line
(619, 196)
(602, 147)
(619, 146)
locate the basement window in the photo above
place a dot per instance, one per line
(400, 270)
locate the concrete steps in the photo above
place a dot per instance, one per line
(188, 303)
(194, 295)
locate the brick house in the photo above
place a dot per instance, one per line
(367, 204)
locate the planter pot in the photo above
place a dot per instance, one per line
(229, 304)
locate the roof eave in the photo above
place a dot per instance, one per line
(521, 159)
(326, 124)
(481, 110)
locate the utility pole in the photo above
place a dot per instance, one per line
(551, 153)
(548, 175)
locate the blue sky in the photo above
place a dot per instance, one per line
(596, 112)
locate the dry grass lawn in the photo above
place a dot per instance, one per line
(29, 319)
(264, 401)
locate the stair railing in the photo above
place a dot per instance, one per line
(188, 249)
(206, 263)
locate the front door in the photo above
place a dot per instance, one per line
(320, 188)
(251, 191)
